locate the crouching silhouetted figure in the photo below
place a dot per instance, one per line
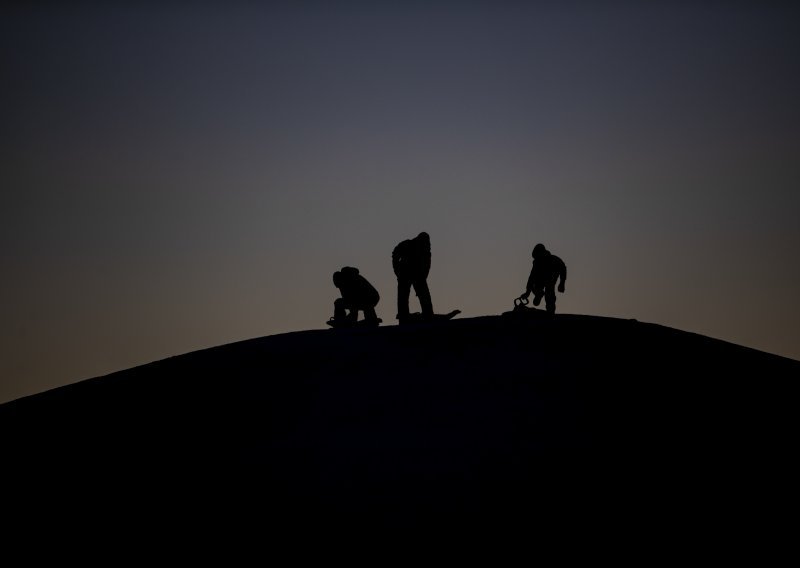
(547, 269)
(411, 261)
(357, 295)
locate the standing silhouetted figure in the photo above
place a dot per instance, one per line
(547, 269)
(357, 294)
(411, 260)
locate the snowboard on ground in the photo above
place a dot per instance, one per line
(420, 318)
(361, 323)
(521, 309)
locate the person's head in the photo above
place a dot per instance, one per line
(337, 279)
(539, 251)
(423, 236)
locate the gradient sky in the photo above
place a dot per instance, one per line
(182, 175)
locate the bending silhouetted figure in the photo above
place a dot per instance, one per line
(546, 270)
(411, 260)
(357, 295)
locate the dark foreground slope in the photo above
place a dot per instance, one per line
(484, 415)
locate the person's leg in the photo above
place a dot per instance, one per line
(550, 298)
(538, 292)
(403, 290)
(339, 313)
(370, 315)
(424, 295)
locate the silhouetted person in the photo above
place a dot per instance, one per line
(411, 260)
(357, 294)
(547, 269)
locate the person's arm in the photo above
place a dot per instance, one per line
(396, 259)
(529, 285)
(562, 274)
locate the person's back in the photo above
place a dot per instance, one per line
(412, 258)
(547, 268)
(356, 289)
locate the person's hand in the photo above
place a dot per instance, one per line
(525, 295)
(561, 287)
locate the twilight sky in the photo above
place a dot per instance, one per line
(178, 175)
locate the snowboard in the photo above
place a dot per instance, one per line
(417, 317)
(521, 309)
(360, 323)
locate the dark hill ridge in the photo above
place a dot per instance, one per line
(456, 415)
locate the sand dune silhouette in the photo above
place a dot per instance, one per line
(486, 415)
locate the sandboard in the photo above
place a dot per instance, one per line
(521, 309)
(360, 323)
(419, 318)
